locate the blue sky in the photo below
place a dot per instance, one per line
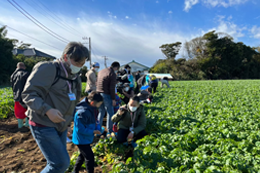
(126, 30)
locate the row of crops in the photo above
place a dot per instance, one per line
(205, 126)
(6, 102)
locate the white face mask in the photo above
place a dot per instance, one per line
(74, 69)
(132, 109)
(96, 69)
(116, 71)
(126, 89)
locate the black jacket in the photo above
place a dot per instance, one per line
(18, 80)
(123, 76)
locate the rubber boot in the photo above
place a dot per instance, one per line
(26, 124)
(20, 123)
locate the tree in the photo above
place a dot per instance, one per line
(6, 57)
(195, 48)
(171, 50)
(84, 70)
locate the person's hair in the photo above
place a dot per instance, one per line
(150, 89)
(135, 98)
(95, 96)
(115, 64)
(139, 71)
(76, 51)
(20, 65)
(127, 66)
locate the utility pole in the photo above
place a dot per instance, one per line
(89, 41)
(105, 61)
(89, 48)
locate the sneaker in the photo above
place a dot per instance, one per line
(69, 140)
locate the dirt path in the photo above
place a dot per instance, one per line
(19, 151)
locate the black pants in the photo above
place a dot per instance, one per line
(154, 86)
(123, 133)
(86, 154)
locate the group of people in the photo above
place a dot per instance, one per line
(50, 97)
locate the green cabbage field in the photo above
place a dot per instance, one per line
(199, 126)
(6, 102)
(195, 126)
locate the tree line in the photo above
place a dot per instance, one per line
(211, 56)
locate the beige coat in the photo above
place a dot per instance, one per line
(91, 80)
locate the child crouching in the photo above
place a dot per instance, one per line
(85, 129)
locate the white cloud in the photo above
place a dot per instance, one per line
(115, 17)
(255, 31)
(78, 19)
(170, 12)
(229, 27)
(230, 17)
(157, 2)
(118, 41)
(213, 3)
(189, 4)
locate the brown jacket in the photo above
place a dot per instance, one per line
(91, 80)
(106, 82)
(40, 95)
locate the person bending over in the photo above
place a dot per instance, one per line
(131, 121)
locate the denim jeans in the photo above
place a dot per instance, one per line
(53, 146)
(107, 106)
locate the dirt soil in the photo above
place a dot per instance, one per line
(19, 151)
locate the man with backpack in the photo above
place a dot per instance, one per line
(51, 93)
(18, 80)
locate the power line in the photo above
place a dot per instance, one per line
(59, 19)
(32, 37)
(40, 22)
(57, 23)
(35, 22)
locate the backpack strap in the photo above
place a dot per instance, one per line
(57, 76)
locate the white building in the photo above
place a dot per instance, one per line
(135, 66)
(161, 75)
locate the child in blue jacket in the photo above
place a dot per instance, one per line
(85, 129)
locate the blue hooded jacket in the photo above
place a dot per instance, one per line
(84, 124)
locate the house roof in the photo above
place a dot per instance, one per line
(32, 52)
(136, 63)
